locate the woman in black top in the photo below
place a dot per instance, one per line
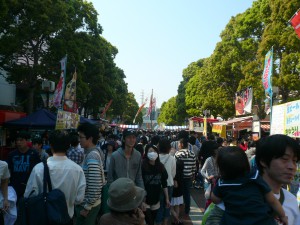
(155, 180)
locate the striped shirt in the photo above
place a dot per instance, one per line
(189, 161)
(94, 175)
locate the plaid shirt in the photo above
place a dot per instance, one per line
(76, 155)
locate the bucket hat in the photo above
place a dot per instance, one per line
(124, 195)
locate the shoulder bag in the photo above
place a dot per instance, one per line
(47, 208)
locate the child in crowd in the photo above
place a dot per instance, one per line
(247, 197)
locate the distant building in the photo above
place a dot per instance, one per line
(7, 90)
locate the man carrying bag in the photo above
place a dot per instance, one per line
(66, 186)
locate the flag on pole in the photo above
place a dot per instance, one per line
(150, 105)
(58, 94)
(139, 110)
(295, 22)
(70, 95)
(106, 108)
(267, 74)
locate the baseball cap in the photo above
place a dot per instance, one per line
(128, 131)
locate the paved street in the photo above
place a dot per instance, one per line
(197, 208)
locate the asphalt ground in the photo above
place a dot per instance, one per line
(197, 208)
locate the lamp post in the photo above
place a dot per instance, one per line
(205, 113)
(48, 86)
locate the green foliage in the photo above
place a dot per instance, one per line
(238, 60)
(36, 34)
(168, 113)
(131, 110)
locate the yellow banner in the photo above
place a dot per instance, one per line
(67, 120)
(220, 129)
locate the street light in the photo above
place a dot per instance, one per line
(205, 113)
(48, 86)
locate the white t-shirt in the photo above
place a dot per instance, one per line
(4, 172)
(290, 207)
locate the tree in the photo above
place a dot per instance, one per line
(25, 40)
(168, 112)
(130, 110)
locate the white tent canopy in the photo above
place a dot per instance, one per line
(234, 120)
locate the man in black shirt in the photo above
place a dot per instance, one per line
(21, 162)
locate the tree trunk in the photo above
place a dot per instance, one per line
(30, 100)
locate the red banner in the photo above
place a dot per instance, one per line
(295, 22)
(106, 108)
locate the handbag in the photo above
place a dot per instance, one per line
(47, 208)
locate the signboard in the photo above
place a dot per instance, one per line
(220, 129)
(286, 119)
(292, 119)
(243, 101)
(67, 120)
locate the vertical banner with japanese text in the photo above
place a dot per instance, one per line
(267, 74)
(59, 91)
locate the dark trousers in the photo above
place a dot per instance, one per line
(150, 216)
(187, 184)
(1, 218)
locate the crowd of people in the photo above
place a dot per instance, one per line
(138, 177)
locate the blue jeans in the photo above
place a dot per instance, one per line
(164, 212)
(187, 184)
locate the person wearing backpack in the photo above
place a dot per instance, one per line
(65, 174)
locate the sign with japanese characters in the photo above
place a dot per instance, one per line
(286, 119)
(66, 120)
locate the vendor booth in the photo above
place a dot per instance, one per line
(237, 127)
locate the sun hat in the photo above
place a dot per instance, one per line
(124, 195)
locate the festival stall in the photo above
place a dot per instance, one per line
(236, 127)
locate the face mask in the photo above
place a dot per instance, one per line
(152, 155)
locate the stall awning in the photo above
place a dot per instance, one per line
(6, 115)
(235, 120)
(201, 119)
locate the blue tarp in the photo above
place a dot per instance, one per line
(41, 119)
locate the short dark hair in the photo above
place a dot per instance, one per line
(274, 147)
(232, 162)
(184, 142)
(211, 137)
(183, 134)
(74, 138)
(59, 141)
(164, 146)
(192, 140)
(37, 140)
(23, 135)
(155, 140)
(220, 140)
(89, 130)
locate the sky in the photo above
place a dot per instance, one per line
(158, 39)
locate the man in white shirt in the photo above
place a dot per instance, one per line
(65, 174)
(276, 159)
